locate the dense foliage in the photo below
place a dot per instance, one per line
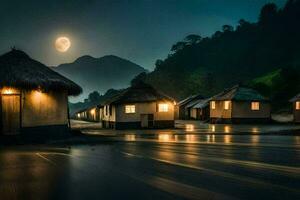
(232, 55)
(280, 86)
(94, 98)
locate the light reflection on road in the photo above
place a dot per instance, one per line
(162, 164)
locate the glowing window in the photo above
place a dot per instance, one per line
(254, 105)
(130, 109)
(163, 107)
(93, 111)
(226, 105)
(297, 105)
(213, 105)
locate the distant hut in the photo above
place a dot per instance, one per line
(239, 104)
(92, 113)
(33, 99)
(200, 110)
(139, 106)
(296, 108)
(184, 106)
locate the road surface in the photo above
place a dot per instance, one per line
(162, 166)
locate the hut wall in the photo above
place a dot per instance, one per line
(296, 113)
(144, 108)
(193, 113)
(42, 109)
(219, 111)
(243, 110)
(109, 116)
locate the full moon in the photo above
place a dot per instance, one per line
(62, 44)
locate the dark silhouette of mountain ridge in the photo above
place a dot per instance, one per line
(99, 74)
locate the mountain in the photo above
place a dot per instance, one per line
(232, 55)
(99, 74)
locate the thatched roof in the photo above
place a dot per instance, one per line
(202, 103)
(18, 70)
(239, 93)
(190, 99)
(295, 98)
(141, 92)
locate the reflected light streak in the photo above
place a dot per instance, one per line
(189, 127)
(254, 139)
(227, 139)
(227, 129)
(190, 138)
(213, 128)
(166, 138)
(130, 137)
(254, 130)
(210, 138)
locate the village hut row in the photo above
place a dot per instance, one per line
(139, 106)
(33, 98)
(132, 108)
(234, 105)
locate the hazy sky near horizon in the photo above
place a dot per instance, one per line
(141, 31)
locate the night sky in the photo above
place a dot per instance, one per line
(141, 31)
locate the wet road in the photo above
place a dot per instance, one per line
(161, 166)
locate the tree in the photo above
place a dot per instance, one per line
(192, 39)
(139, 78)
(178, 46)
(267, 13)
(94, 97)
(227, 28)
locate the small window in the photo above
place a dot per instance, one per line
(226, 105)
(163, 107)
(213, 105)
(254, 105)
(297, 105)
(130, 109)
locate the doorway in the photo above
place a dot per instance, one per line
(11, 120)
(147, 120)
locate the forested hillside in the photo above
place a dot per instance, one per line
(231, 55)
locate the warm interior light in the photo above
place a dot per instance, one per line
(78, 115)
(255, 105)
(93, 111)
(7, 91)
(226, 105)
(297, 105)
(213, 105)
(163, 107)
(129, 108)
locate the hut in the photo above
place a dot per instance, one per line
(139, 106)
(184, 106)
(92, 113)
(296, 108)
(33, 98)
(239, 105)
(200, 110)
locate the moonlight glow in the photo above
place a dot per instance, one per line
(62, 44)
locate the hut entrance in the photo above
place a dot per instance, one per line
(147, 120)
(10, 114)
